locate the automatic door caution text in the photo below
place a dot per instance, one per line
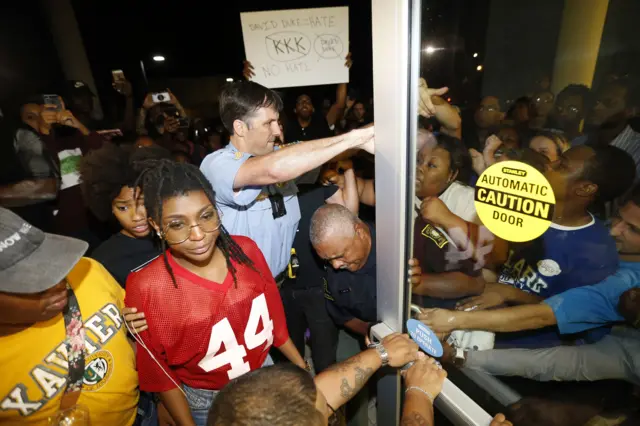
(514, 201)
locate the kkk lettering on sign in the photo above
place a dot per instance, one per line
(299, 47)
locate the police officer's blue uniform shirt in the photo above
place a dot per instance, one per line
(591, 306)
(247, 211)
(353, 294)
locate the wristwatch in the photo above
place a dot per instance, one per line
(384, 355)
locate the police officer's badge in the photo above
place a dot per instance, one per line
(434, 235)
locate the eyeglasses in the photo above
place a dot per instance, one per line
(569, 109)
(488, 108)
(177, 231)
(539, 100)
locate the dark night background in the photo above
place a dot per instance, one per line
(205, 39)
(515, 41)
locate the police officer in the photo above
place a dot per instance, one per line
(303, 290)
(349, 245)
(249, 177)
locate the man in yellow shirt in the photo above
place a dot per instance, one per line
(61, 332)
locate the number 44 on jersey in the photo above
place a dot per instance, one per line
(234, 354)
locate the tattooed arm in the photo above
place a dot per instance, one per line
(424, 382)
(417, 410)
(343, 381)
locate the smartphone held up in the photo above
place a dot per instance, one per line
(52, 102)
(160, 97)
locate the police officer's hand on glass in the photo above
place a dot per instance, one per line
(401, 349)
(363, 138)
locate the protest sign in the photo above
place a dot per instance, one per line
(299, 47)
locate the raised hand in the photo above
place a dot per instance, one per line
(247, 70)
(477, 161)
(425, 103)
(148, 101)
(123, 87)
(348, 62)
(491, 146)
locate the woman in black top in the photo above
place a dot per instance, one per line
(108, 184)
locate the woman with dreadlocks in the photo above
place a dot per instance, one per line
(212, 307)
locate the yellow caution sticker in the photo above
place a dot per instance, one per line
(514, 201)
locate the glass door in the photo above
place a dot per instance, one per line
(397, 50)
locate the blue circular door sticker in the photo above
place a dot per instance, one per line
(425, 338)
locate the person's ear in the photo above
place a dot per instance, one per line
(453, 176)
(587, 189)
(359, 228)
(240, 128)
(155, 226)
(502, 115)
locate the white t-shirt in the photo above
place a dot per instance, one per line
(458, 198)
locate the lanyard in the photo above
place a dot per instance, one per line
(74, 342)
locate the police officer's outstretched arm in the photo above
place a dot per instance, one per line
(289, 163)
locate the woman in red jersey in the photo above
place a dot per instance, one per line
(212, 307)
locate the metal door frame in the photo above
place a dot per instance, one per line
(396, 42)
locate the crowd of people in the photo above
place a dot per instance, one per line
(152, 266)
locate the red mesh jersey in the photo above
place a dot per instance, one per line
(205, 333)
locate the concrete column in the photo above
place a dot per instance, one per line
(68, 41)
(578, 42)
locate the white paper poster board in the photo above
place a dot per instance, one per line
(299, 47)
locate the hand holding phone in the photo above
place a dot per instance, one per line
(118, 75)
(120, 83)
(161, 97)
(52, 102)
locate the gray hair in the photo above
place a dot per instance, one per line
(331, 220)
